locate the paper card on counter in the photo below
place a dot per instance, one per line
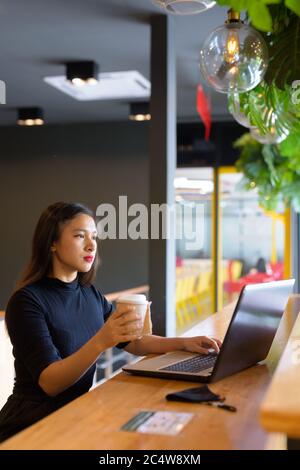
(158, 422)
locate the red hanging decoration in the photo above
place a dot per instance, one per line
(203, 108)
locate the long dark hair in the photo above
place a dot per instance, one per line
(46, 232)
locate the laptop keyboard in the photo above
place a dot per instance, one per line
(194, 364)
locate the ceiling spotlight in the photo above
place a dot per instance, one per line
(82, 73)
(140, 111)
(234, 57)
(185, 7)
(30, 117)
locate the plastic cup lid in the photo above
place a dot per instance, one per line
(133, 298)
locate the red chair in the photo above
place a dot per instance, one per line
(277, 270)
(234, 287)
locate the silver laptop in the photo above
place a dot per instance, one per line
(248, 339)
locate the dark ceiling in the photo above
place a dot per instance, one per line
(38, 36)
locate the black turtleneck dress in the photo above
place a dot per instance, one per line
(48, 321)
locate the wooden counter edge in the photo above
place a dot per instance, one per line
(280, 409)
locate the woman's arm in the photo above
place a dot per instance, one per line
(151, 344)
(61, 374)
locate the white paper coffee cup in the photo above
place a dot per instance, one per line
(136, 302)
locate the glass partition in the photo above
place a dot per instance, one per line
(193, 189)
(251, 239)
(226, 229)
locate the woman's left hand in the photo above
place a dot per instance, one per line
(201, 344)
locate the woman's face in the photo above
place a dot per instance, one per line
(75, 250)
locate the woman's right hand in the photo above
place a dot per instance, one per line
(122, 325)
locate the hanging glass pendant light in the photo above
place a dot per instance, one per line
(269, 116)
(185, 7)
(271, 137)
(234, 107)
(234, 57)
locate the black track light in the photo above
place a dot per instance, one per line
(140, 111)
(82, 73)
(30, 116)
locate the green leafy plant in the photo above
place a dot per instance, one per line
(273, 106)
(284, 52)
(268, 106)
(274, 170)
(259, 11)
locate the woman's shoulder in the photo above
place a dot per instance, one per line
(93, 290)
(24, 309)
(29, 293)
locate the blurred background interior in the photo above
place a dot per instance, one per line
(82, 144)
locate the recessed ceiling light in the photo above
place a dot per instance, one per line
(30, 117)
(140, 111)
(81, 73)
(110, 86)
(205, 186)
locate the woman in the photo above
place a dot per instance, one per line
(59, 323)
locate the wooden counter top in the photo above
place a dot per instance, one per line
(93, 421)
(280, 411)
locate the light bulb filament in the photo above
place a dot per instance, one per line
(232, 48)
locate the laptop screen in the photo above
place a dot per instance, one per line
(253, 326)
